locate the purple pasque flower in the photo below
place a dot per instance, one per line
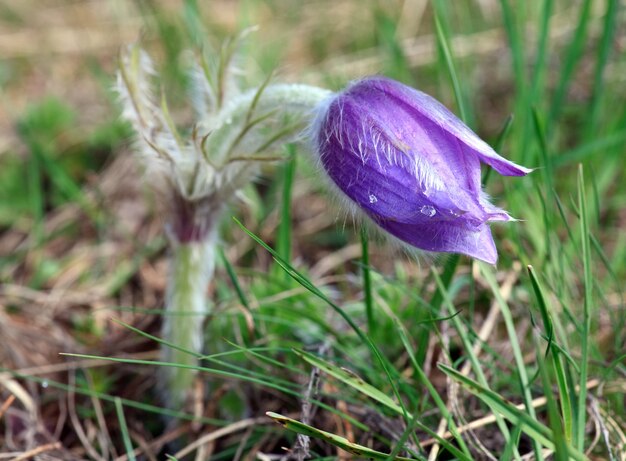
(411, 166)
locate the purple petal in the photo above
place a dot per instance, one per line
(439, 114)
(411, 166)
(447, 237)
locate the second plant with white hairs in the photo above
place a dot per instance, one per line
(198, 171)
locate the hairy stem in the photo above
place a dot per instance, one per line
(191, 269)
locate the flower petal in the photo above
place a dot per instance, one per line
(376, 165)
(447, 237)
(411, 166)
(439, 114)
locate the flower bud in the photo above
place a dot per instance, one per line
(411, 166)
(198, 171)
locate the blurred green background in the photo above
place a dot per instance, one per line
(81, 240)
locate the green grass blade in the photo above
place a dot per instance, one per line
(36, 193)
(445, 413)
(468, 347)
(256, 353)
(588, 149)
(487, 272)
(564, 219)
(209, 358)
(130, 452)
(283, 242)
(65, 184)
(243, 299)
(212, 371)
(542, 50)
(232, 275)
(306, 283)
(565, 398)
(543, 309)
(581, 419)
(503, 134)
(610, 20)
(572, 56)
(454, 451)
(533, 428)
(352, 380)
(367, 283)
(450, 268)
(548, 173)
(334, 439)
(193, 24)
(558, 431)
(435, 303)
(148, 408)
(270, 384)
(444, 43)
(498, 144)
(511, 446)
(597, 246)
(408, 432)
(397, 65)
(517, 49)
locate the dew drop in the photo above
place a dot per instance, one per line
(373, 198)
(428, 211)
(44, 383)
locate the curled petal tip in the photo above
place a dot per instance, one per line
(507, 168)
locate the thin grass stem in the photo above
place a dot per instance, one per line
(367, 283)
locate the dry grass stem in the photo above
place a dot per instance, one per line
(222, 432)
(7, 403)
(158, 443)
(490, 419)
(30, 454)
(484, 333)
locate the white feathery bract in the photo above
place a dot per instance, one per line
(198, 171)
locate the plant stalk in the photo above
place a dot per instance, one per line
(191, 269)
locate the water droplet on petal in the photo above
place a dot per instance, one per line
(373, 198)
(428, 211)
